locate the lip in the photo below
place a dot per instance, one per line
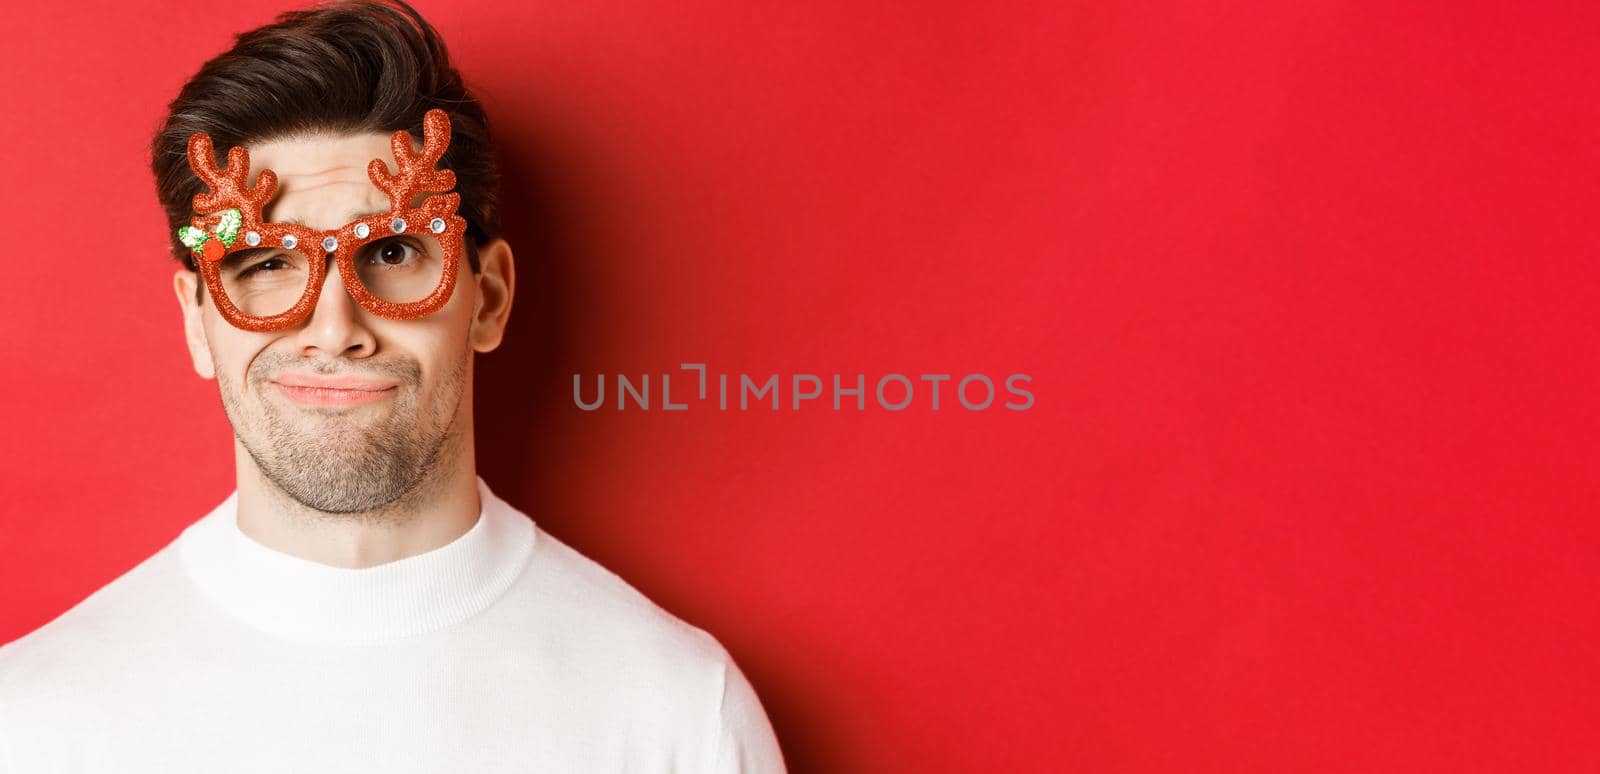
(298, 379)
(313, 390)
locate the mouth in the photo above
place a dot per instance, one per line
(336, 397)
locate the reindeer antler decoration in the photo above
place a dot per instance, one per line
(416, 173)
(230, 192)
(236, 209)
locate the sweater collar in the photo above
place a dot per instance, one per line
(310, 602)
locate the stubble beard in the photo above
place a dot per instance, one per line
(339, 461)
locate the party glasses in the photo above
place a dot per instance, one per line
(265, 276)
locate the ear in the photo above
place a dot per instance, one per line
(497, 280)
(184, 283)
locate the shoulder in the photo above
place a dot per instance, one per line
(617, 642)
(599, 607)
(89, 636)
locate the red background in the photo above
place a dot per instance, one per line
(1306, 290)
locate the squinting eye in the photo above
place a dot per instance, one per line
(268, 265)
(271, 264)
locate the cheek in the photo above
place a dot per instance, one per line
(232, 350)
(465, 293)
(436, 344)
(436, 347)
(440, 337)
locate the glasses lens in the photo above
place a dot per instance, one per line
(265, 281)
(401, 269)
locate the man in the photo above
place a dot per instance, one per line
(362, 601)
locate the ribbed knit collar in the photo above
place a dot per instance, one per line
(310, 602)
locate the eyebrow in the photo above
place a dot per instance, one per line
(352, 216)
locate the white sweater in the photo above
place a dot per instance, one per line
(503, 651)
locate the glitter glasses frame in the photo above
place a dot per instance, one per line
(435, 217)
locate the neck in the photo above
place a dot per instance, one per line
(311, 603)
(439, 509)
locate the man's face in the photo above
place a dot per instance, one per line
(346, 411)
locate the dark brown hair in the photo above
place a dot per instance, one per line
(343, 67)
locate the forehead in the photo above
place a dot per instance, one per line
(322, 178)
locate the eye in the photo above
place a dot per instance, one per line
(270, 264)
(255, 262)
(394, 252)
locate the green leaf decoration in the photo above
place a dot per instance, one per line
(228, 226)
(192, 238)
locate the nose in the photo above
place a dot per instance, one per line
(337, 325)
